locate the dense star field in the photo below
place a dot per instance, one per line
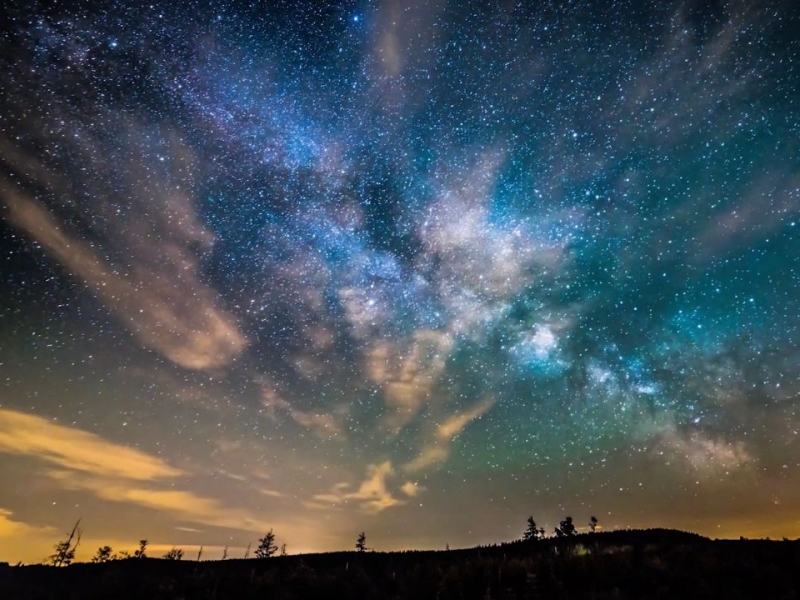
(419, 269)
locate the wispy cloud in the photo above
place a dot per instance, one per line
(11, 528)
(436, 451)
(143, 263)
(181, 504)
(408, 372)
(402, 30)
(76, 450)
(271, 493)
(769, 203)
(82, 461)
(324, 425)
(20, 541)
(430, 455)
(455, 424)
(372, 495)
(412, 489)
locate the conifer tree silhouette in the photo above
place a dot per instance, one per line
(532, 533)
(266, 546)
(361, 542)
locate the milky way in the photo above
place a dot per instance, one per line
(415, 268)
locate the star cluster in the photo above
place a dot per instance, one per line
(416, 268)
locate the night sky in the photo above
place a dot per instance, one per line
(419, 268)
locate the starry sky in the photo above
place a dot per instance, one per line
(419, 268)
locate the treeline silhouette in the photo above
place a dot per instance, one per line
(65, 550)
(623, 564)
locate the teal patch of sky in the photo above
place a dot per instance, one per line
(538, 359)
(747, 290)
(535, 349)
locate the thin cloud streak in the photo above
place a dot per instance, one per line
(435, 452)
(144, 265)
(76, 450)
(112, 472)
(181, 504)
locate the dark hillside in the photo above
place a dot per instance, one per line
(619, 565)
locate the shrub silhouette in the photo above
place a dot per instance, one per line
(174, 554)
(566, 528)
(140, 552)
(103, 555)
(593, 524)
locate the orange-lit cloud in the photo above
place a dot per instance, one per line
(145, 268)
(11, 528)
(180, 504)
(373, 494)
(20, 541)
(456, 423)
(437, 450)
(86, 462)
(411, 489)
(271, 493)
(70, 448)
(428, 457)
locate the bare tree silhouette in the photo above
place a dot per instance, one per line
(65, 550)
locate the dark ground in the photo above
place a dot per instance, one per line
(620, 565)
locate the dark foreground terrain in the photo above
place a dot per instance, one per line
(621, 564)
